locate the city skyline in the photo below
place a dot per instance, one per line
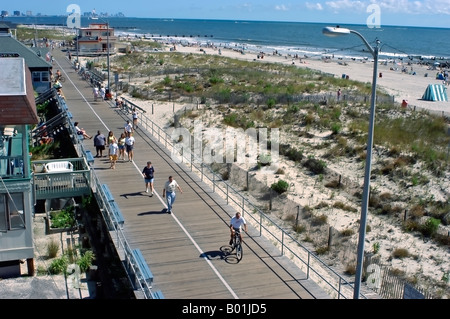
(426, 13)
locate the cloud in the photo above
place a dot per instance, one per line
(391, 6)
(314, 6)
(281, 7)
(347, 4)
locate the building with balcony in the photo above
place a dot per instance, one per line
(18, 112)
(95, 40)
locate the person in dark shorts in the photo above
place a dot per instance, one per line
(149, 175)
(129, 144)
(99, 143)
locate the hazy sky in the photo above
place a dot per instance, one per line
(432, 13)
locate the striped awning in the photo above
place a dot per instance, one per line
(435, 92)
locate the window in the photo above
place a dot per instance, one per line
(36, 76)
(45, 77)
(41, 76)
(11, 212)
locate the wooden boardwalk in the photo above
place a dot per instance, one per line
(183, 249)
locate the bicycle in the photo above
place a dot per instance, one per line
(237, 244)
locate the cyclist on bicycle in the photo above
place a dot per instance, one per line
(58, 74)
(235, 226)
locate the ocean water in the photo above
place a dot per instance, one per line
(396, 42)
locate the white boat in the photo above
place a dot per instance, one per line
(94, 15)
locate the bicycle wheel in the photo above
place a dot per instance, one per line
(239, 251)
(62, 79)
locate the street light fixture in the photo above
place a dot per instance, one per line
(78, 35)
(107, 44)
(335, 32)
(107, 56)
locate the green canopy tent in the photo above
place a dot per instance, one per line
(435, 92)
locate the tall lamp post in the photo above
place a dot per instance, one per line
(334, 32)
(78, 35)
(107, 56)
(107, 44)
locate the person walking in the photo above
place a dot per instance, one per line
(102, 93)
(96, 93)
(135, 118)
(169, 192)
(129, 144)
(149, 174)
(99, 143)
(128, 128)
(121, 144)
(111, 139)
(113, 153)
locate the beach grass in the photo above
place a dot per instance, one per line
(212, 76)
(26, 34)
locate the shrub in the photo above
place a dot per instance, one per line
(271, 103)
(280, 187)
(319, 220)
(63, 219)
(315, 166)
(376, 247)
(350, 269)
(322, 250)
(299, 228)
(86, 260)
(264, 159)
(336, 128)
(400, 253)
(58, 266)
(294, 155)
(347, 232)
(52, 248)
(430, 227)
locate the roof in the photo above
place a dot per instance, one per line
(9, 45)
(17, 103)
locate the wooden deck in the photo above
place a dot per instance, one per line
(183, 249)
